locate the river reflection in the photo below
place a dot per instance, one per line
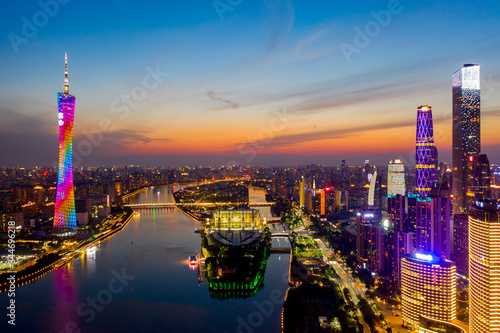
(163, 294)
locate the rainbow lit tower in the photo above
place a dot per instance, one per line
(426, 152)
(64, 216)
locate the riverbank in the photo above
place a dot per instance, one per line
(26, 276)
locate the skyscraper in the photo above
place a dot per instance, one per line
(433, 226)
(426, 153)
(400, 241)
(428, 293)
(396, 178)
(302, 193)
(278, 185)
(64, 215)
(371, 190)
(461, 243)
(484, 267)
(466, 129)
(370, 240)
(478, 179)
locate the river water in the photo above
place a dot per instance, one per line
(139, 281)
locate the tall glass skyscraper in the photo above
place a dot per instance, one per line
(484, 267)
(466, 129)
(64, 216)
(425, 152)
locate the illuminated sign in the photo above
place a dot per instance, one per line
(426, 257)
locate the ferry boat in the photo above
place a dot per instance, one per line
(91, 249)
(193, 260)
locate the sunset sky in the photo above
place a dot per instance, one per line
(256, 82)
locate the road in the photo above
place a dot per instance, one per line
(355, 290)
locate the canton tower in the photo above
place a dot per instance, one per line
(64, 216)
(425, 152)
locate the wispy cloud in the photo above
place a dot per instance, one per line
(309, 40)
(282, 18)
(212, 95)
(121, 139)
(293, 139)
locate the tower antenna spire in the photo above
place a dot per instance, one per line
(66, 85)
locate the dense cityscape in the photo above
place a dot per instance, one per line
(410, 244)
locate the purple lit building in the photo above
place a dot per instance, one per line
(426, 154)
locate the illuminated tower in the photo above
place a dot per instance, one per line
(484, 267)
(466, 129)
(64, 216)
(425, 152)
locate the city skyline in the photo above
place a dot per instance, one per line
(250, 166)
(212, 90)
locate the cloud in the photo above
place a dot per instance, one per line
(212, 95)
(309, 40)
(282, 18)
(119, 140)
(292, 139)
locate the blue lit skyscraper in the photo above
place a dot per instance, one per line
(425, 152)
(466, 130)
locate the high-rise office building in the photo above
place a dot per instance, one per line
(370, 240)
(442, 233)
(426, 153)
(433, 226)
(466, 129)
(371, 190)
(64, 214)
(396, 178)
(461, 243)
(423, 226)
(403, 246)
(368, 170)
(400, 240)
(278, 185)
(428, 292)
(484, 267)
(322, 201)
(302, 192)
(478, 179)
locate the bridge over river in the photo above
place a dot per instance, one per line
(195, 204)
